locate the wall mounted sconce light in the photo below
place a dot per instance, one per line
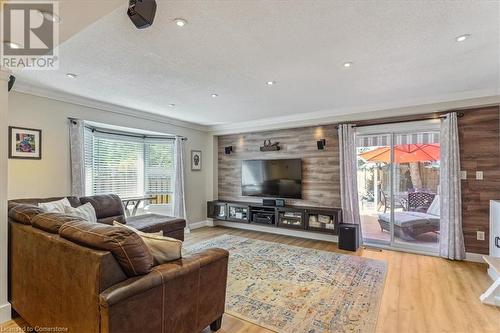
(321, 144)
(228, 150)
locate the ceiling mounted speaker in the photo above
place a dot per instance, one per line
(321, 144)
(12, 79)
(228, 150)
(142, 12)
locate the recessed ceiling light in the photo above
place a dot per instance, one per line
(180, 22)
(214, 95)
(12, 45)
(347, 64)
(71, 75)
(270, 83)
(462, 38)
(171, 105)
(50, 16)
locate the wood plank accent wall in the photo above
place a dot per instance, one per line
(479, 148)
(479, 131)
(320, 168)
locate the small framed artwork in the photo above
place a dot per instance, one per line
(196, 160)
(25, 143)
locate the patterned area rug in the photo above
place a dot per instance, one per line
(292, 289)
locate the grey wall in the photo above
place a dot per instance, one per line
(51, 176)
(320, 168)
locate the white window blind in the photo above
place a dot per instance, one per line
(127, 166)
(159, 167)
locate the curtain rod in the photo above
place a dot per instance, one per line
(142, 136)
(459, 115)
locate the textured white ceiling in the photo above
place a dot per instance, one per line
(403, 51)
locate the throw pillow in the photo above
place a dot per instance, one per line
(86, 212)
(55, 206)
(163, 249)
(127, 246)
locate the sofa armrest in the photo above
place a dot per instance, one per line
(159, 275)
(182, 296)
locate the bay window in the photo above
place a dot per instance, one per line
(128, 165)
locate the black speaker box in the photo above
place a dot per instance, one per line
(12, 80)
(321, 144)
(269, 202)
(348, 236)
(142, 12)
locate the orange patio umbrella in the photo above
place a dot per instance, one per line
(404, 153)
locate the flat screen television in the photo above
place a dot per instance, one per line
(272, 178)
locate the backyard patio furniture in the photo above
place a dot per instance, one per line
(386, 201)
(410, 224)
(405, 153)
(420, 201)
(135, 201)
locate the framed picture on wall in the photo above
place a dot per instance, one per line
(196, 160)
(25, 143)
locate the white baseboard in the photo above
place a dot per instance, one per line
(5, 313)
(474, 257)
(201, 224)
(469, 256)
(279, 231)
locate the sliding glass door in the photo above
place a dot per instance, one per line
(374, 186)
(398, 185)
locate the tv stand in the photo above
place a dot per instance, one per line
(303, 218)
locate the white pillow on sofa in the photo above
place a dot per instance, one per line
(55, 206)
(86, 212)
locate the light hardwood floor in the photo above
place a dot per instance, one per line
(422, 293)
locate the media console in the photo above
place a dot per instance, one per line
(305, 218)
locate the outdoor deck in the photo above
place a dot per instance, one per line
(372, 233)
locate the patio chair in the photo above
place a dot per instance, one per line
(420, 201)
(386, 202)
(410, 224)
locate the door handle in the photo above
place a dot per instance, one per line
(497, 241)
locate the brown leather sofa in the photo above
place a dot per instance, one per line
(109, 208)
(59, 284)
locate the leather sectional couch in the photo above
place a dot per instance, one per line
(60, 279)
(109, 208)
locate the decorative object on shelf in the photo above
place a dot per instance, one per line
(25, 143)
(321, 220)
(238, 213)
(291, 218)
(324, 219)
(321, 144)
(268, 146)
(196, 160)
(228, 150)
